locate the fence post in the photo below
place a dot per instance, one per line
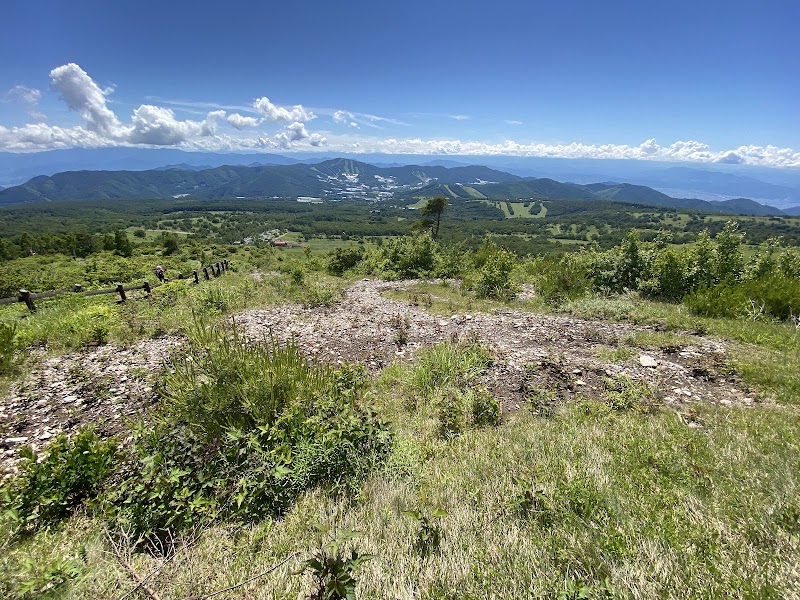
(196, 278)
(121, 291)
(77, 288)
(146, 287)
(205, 273)
(216, 270)
(25, 296)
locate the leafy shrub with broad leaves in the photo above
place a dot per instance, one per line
(494, 279)
(52, 484)
(486, 410)
(430, 534)
(342, 260)
(334, 570)
(243, 430)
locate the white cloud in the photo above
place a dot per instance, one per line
(84, 96)
(38, 136)
(153, 125)
(342, 116)
(274, 112)
(23, 93)
(27, 96)
(157, 126)
(459, 117)
(240, 122)
(356, 119)
(512, 122)
(681, 151)
(316, 140)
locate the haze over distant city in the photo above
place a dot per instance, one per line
(697, 82)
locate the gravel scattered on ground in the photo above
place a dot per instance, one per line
(111, 386)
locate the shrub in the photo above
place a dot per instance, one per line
(623, 393)
(768, 297)
(8, 347)
(334, 571)
(411, 256)
(486, 410)
(430, 535)
(52, 484)
(344, 259)
(314, 295)
(451, 414)
(567, 279)
(243, 430)
(494, 279)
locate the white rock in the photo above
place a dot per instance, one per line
(14, 441)
(647, 361)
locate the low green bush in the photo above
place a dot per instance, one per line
(243, 430)
(52, 484)
(494, 279)
(771, 297)
(342, 260)
(8, 347)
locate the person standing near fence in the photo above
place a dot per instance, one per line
(160, 271)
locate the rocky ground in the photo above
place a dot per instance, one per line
(111, 386)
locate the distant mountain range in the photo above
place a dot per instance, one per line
(344, 178)
(776, 187)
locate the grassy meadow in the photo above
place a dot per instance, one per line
(267, 475)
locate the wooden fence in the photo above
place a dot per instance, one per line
(28, 298)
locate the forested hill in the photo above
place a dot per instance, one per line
(334, 178)
(343, 178)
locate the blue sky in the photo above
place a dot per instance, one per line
(701, 81)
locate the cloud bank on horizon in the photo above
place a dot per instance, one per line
(271, 127)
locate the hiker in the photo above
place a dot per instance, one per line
(160, 273)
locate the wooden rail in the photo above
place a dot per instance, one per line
(28, 298)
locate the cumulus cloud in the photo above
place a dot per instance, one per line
(157, 126)
(84, 96)
(240, 122)
(154, 125)
(316, 140)
(680, 151)
(279, 113)
(39, 136)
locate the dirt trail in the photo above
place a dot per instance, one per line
(108, 386)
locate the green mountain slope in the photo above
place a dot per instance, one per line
(343, 178)
(229, 181)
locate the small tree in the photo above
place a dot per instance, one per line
(122, 245)
(435, 207)
(170, 244)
